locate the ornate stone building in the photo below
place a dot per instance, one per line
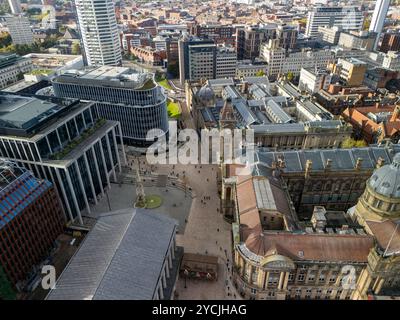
(333, 255)
(250, 99)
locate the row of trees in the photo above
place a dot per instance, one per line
(6, 45)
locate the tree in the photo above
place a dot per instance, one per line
(260, 73)
(5, 39)
(290, 76)
(352, 143)
(4, 8)
(360, 144)
(76, 49)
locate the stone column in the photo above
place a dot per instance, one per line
(286, 280)
(281, 279)
(266, 280)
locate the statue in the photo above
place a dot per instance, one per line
(140, 195)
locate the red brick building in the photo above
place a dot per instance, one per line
(31, 218)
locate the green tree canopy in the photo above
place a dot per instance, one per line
(352, 143)
(260, 73)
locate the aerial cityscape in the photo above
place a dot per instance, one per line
(200, 150)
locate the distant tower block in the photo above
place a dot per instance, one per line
(378, 18)
(15, 6)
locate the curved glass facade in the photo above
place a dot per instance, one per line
(138, 110)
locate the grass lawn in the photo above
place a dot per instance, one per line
(174, 111)
(165, 84)
(153, 201)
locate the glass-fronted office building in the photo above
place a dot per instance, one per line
(65, 142)
(120, 94)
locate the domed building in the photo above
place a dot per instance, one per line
(335, 255)
(381, 199)
(206, 96)
(378, 210)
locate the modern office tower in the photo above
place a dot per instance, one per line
(361, 40)
(390, 42)
(349, 18)
(287, 35)
(99, 32)
(249, 39)
(20, 29)
(280, 62)
(192, 46)
(122, 94)
(218, 33)
(15, 6)
(379, 16)
(330, 35)
(64, 142)
(203, 59)
(31, 219)
(226, 62)
(12, 67)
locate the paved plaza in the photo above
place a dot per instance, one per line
(202, 228)
(174, 203)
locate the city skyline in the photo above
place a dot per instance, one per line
(203, 151)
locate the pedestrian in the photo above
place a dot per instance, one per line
(217, 229)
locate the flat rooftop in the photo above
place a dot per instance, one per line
(51, 60)
(107, 76)
(24, 112)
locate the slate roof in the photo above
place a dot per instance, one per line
(120, 259)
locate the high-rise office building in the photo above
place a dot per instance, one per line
(390, 42)
(122, 94)
(287, 35)
(203, 59)
(379, 15)
(378, 18)
(64, 142)
(15, 6)
(99, 32)
(349, 18)
(19, 29)
(31, 219)
(249, 39)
